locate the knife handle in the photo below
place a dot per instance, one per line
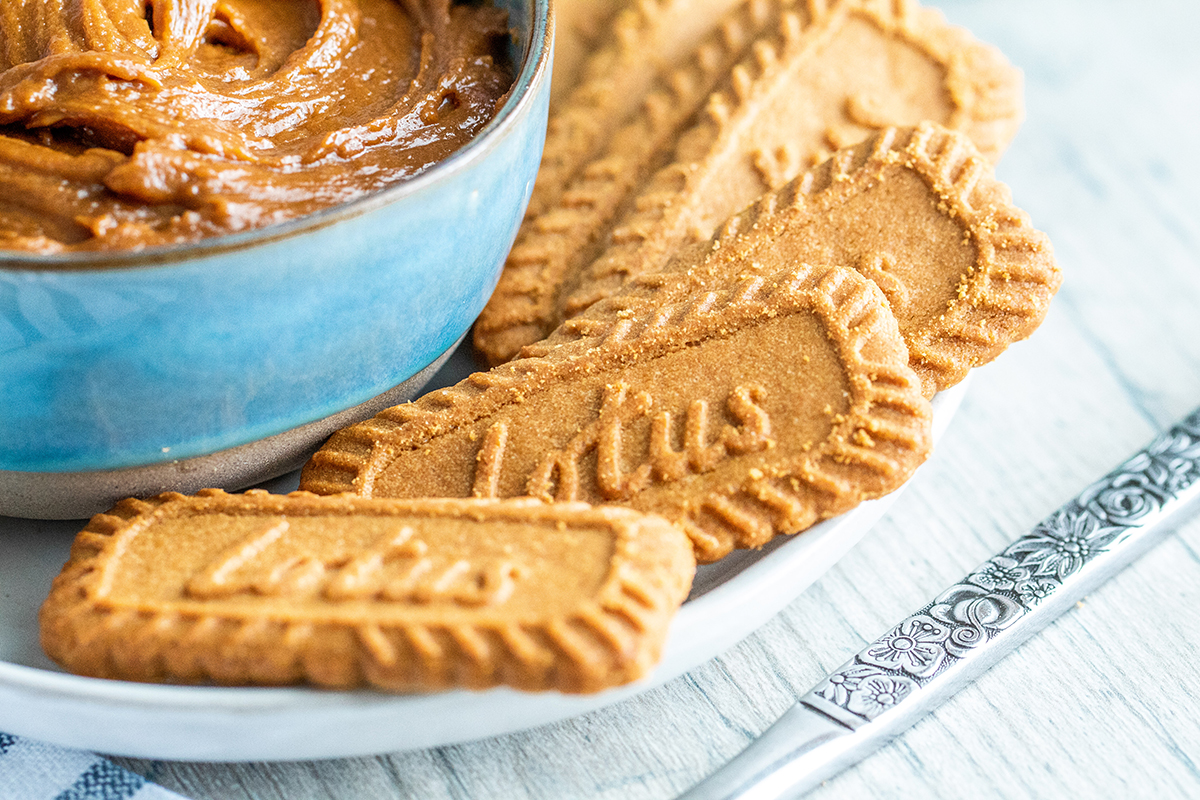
(946, 645)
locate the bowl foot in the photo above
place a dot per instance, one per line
(74, 495)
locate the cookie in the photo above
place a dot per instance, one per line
(344, 592)
(919, 212)
(738, 414)
(810, 83)
(594, 158)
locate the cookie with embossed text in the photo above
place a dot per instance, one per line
(344, 592)
(738, 414)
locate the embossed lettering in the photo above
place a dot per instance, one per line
(701, 457)
(753, 433)
(669, 464)
(613, 483)
(397, 567)
(777, 167)
(879, 268)
(217, 579)
(362, 575)
(557, 475)
(488, 461)
(460, 582)
(561, 467)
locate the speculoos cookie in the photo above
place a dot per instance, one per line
(652, 61)
(601, 143)
(738, 414)
(345, 592)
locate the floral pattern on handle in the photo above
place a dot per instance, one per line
(1012, 583)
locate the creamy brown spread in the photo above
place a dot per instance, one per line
(129, 123)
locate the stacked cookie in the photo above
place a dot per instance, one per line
(639, 161)
(661, 396)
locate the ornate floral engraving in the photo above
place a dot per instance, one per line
(914, 646)
(1033, 592)
(879, 693)
(839, 687)
(1009, 585)
(972, 614)
(999, 573)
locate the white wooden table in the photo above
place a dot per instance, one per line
(1105, 703)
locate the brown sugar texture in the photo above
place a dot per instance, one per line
(125, 124)
(764, 234)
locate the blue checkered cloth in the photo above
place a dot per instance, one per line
(31, 770)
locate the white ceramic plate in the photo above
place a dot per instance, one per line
(730, 599)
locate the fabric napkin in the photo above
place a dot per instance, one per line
(32, 770)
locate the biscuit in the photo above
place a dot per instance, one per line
(738, 414)
(811, 82)
(344, 592)
(594, 158)
(916, 210)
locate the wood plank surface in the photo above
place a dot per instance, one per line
(1103, 704)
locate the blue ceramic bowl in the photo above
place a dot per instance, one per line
(227, 361)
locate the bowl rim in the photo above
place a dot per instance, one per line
(534, 71)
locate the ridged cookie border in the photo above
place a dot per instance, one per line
(1006, 295)
(578, 128)
(755, 512)
(610, 639)
(885, 433)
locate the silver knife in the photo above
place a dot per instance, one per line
(946, 645)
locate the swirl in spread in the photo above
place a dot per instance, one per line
(129, 123)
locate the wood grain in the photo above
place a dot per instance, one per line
(1104, 703)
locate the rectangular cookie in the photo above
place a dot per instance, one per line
(579, 30)
(632, 71)
(345, 592)
(868, 67)
(755, 409)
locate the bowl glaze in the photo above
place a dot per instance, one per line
(225, 362)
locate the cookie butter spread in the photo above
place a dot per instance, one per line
(130, 123)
